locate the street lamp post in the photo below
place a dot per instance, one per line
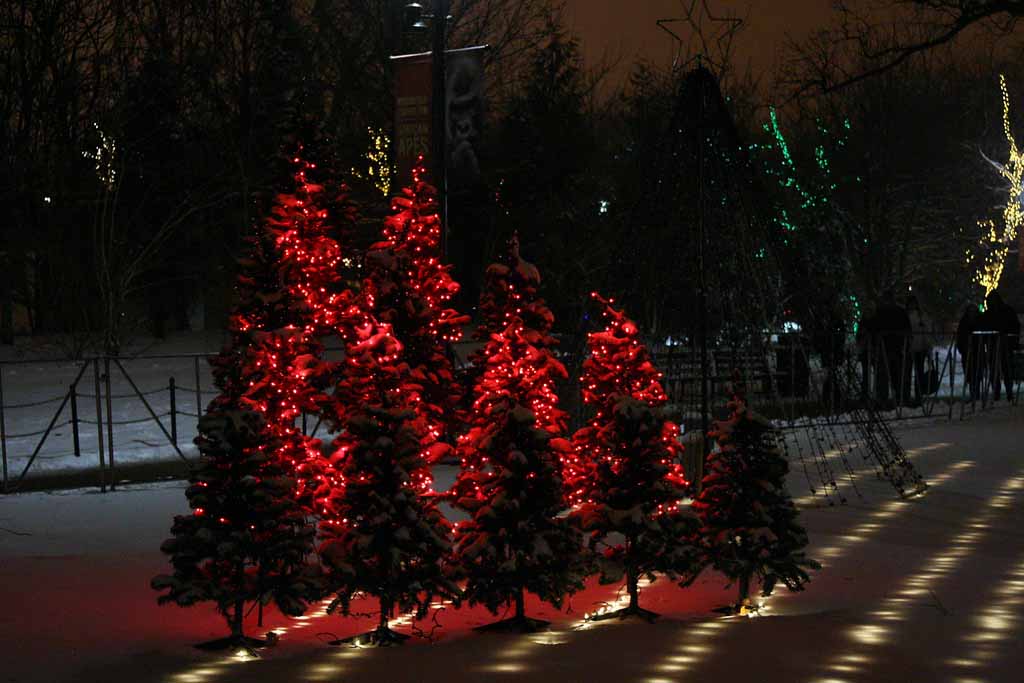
(438, 112)
(415, 18)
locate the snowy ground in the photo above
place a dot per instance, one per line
(930, 589)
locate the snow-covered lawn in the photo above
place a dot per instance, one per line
(930, 589)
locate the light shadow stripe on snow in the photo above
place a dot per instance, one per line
(697, 642)
(891, 611)
(995, 626)
(814, 500)
(865, 530)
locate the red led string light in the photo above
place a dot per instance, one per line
(381, 530)
(510, 482)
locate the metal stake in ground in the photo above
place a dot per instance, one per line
(150, 409)
(49, 428)
(73, 391)
(110, 423)
(174, 413)
(99, 423)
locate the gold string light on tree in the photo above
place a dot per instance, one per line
(996, 239)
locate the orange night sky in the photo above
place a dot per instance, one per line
(626, 29)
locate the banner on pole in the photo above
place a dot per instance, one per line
(464, 113)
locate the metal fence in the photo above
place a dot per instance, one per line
(104, 408)
(55, 415)
(98, 408)
(904, 376)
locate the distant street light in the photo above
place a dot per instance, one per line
(414, 11)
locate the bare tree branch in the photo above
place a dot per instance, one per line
(861, 46)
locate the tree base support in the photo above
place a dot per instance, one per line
(514, 625)
(739, 608)
(627, 613)
(380, 637)
(233, 643)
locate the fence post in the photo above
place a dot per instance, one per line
(149, 408)
(870, 385)
(997, 368)
(110, 423)
(3, 428)
(986, 375)
(968, 383)
(99, 423)
(952, 375)
(174, 413)
(49, 428)
(199, 395)
(74, 419)
(902, 385)
(792, 367)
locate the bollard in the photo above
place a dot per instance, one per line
(174, 413)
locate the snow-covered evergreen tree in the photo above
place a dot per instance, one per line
(408, 288)
(382, 533)
(289, 295)
(272, 367)
(509, 284)
(749, 527)
(510, 483)
(624, 473)
(248, 536)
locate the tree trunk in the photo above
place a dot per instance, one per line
(744, 588)
(236, 619)
(259, 603)
(520, 605)
(385, 611)
(632, 581)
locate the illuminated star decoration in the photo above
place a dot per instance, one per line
(996, 240)
(697, 14)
